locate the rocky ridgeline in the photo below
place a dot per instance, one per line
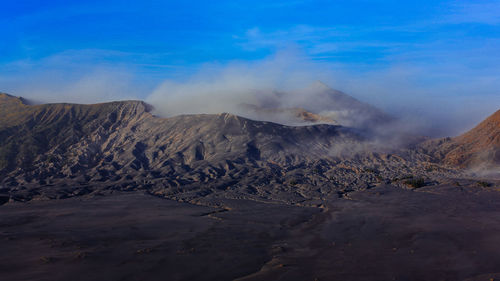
(61, 150)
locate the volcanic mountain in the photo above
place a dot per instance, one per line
(298, 196)
(477, 148)
(123, 145)
(75, 149)
(314, 104)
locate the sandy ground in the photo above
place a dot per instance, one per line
(384, 233)
(132, 236)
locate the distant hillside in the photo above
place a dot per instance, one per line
(317, 103)
(478, 148)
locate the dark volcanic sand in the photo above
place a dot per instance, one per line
(132, 236)
(385, 233)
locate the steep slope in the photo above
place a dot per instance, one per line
(27, 132)
(479, 146)
(477, 150)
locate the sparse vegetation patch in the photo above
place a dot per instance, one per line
(415, 182)
(483, 184)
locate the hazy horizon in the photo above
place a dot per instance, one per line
(433, 64)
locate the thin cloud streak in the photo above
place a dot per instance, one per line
(480, 12)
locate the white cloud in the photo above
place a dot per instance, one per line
(448, 97)
(219, 88)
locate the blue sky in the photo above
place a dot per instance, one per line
(400, 55)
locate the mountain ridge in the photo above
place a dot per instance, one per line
(77, 149)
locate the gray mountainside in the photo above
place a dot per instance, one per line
(63, 150)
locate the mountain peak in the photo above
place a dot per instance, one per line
(6, 98)
(320, 86)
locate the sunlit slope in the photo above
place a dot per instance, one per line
(479, 146)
